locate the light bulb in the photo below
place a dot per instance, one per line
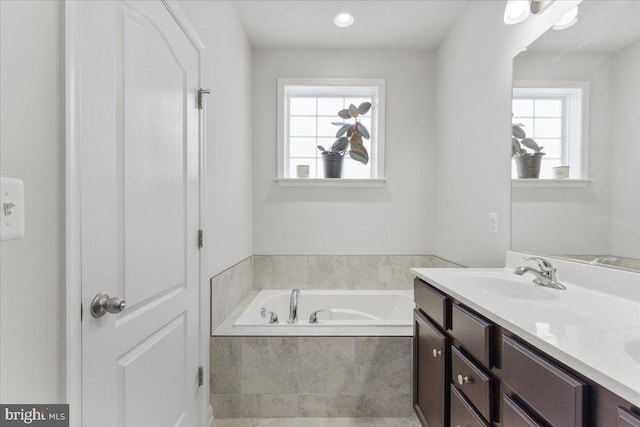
(343, 20)
(516, 11)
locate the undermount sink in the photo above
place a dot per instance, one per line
(500, 285)
(627, 338)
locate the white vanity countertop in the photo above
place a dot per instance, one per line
(592, 330)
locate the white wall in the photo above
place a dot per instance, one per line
(473, 166)
(625, 194)
(577, 218)
(395, 219)
(31, 149)
(227, 72)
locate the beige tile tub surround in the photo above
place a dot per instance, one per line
(311, 377)
(228, 289)
(290, 376)
(317, 422)
(340, 272)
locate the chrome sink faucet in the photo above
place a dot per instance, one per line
(546, 276)
(293, 306)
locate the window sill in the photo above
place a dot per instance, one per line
(550, 183)
(329, 182)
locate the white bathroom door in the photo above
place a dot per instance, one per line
(137, 77)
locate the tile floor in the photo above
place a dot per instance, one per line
(317, 422)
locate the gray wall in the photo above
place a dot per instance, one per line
(472, 161)
(226, 65)
(32, 149)
(396, 219)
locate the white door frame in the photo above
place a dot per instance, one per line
(72, 335)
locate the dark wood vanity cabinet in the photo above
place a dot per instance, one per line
(449, 387)
(471, 372)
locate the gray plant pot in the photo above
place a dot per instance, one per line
(529, 166)
(332, 165)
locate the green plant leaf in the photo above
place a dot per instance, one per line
(352, 129)
(363, 130)
(515, 147)
(337, 123)
(530, 143)
(321, 148)
(359, 155)
(344, 114)
(340, 144)
(345, 127)
(518, 132)
(356, 139)
(364, 108)
(353, 111)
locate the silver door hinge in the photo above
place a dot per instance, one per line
(201, 93)
(200, 376)
(200, 239)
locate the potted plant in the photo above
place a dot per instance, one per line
(349, 140)
(527, 163)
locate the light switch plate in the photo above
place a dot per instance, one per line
(493, 222)
(11, 208)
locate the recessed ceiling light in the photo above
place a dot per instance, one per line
(568, 20)
(516, 11)
(343, 20)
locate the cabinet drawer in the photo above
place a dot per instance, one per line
(626, 418)
(552, 393)
(472, 381)
(474, 334)
(462, 412)
(515, 416)
(433, 302)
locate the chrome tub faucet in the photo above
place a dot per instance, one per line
(293, 306)
(546, 276)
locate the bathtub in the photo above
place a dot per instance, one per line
(341, 309)
(363, 342)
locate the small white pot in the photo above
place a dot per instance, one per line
(560, 172)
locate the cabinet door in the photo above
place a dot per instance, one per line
(627, 418)
(430, 372)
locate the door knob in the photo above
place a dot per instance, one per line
(462, 380)
(102, 305)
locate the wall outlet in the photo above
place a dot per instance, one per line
(493, 222)
(11, 209)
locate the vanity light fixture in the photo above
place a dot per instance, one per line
(516, 11)
(568, 20)
(343, 20)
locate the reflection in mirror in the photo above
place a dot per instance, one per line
(577, 94)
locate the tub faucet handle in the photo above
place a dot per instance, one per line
(273, 318)
(313, 319)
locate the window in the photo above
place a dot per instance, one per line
(306, 110)
(553, 114)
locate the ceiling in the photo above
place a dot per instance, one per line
(603, 26)
(378, 24)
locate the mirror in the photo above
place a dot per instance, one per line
(576, 92)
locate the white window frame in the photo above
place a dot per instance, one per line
(571, 113)
(341, 88)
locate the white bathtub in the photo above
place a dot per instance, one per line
(343, 308)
